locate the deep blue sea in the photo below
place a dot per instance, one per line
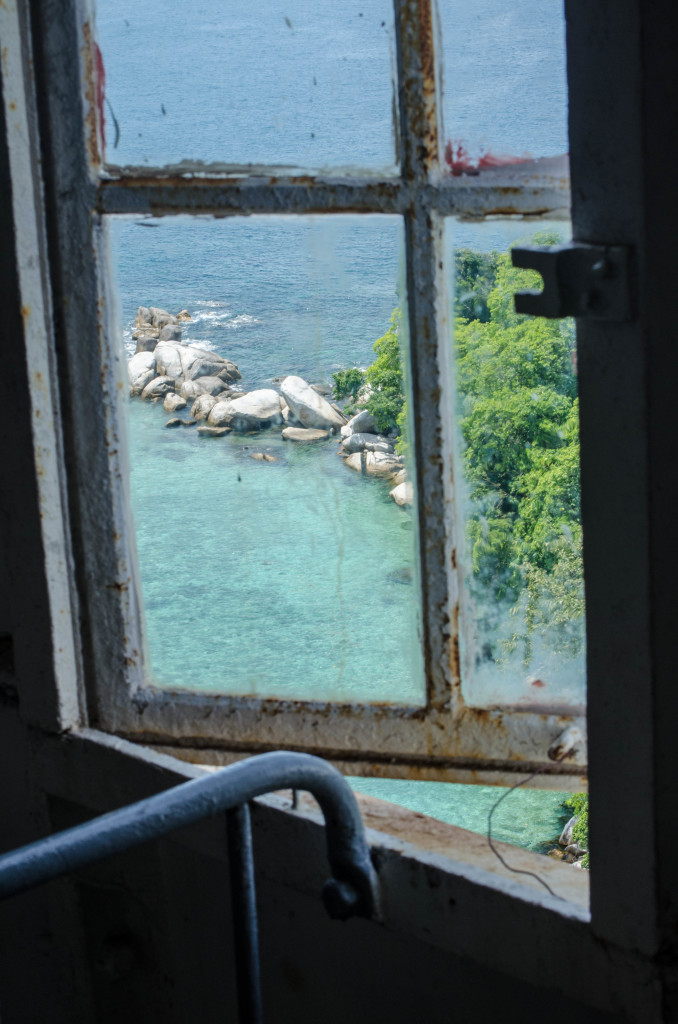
(296, 578)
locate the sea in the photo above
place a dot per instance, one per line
(295, 577)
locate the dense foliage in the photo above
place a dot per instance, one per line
(519, 428)
(579, 804)
(347, 383)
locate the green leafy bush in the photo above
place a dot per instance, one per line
(385, 376)
(348, 382)
(579, 804)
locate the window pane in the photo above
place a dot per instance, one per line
(516, 479)
(505, 87)
(269, 564)
(300, 83)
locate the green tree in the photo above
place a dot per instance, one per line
(385, 376)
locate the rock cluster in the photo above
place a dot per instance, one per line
(570, 851)
(164, 369)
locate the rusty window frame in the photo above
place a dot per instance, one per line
(446, 739)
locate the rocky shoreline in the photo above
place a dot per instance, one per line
(184, 377)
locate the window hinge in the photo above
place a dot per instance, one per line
(579, 280)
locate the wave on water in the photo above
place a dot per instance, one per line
(242, 320)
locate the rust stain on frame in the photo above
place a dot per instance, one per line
(91, 120)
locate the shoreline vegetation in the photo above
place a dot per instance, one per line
(519, 432)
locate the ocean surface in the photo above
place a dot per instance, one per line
(297, 578)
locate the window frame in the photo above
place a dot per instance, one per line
(446, 739)
(624, 193)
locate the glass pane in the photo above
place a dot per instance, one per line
(298, 83)
(505, 86)
(517, 479)
(269, 564)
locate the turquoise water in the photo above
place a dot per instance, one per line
(531, 818)
(286, 578)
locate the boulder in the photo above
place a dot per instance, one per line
(168, 359)
(566, 834)
(362, 423)
(403, 494)
(160, 317)
(310, 408)
(187, 362)
(183, 315)
(144, 329)
(173, 402)
(190, 390)
(158, 388)
(230, 372)
(170, 332)
(374, 463)
(252, 411)
(304, 434)
(367, 442)
(203, 406)
(211, 386)
(141, 371)
(321, 389)
(400, 477)
(146, 341)
(176, 421)
(213, 431)
(143, 317)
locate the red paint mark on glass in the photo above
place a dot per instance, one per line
(100, 84)
(460, 161)
(538, 683)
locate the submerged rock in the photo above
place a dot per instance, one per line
(176, 421)
(213, 431)
(304, 434)
(308, 407)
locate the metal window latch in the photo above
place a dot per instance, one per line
(579, 280)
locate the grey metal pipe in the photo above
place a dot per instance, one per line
(244, 914)
(352, 889)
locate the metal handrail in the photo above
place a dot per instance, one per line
(351, 891)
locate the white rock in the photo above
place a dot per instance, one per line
(158, 388)
(363, 395)
(173, 402)
(203, 406)
(403, 494)
(256, 409)
(186, 362)
(400, 477)
(374, 464)
(304, 434)
(190, 390)
(183, 315)
(170, 332)
(362, 423)
(308, 407)
(160, 317)
(144, 317)
(359, 442)
(141, 371)
(566, 834)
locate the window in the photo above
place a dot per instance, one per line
(445, 739)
